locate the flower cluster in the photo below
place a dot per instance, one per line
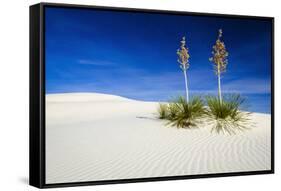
(183, 55)
(220, 55)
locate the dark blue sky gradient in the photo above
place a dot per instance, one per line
(134, 55)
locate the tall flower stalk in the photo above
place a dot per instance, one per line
(219, 59)
(183, 59)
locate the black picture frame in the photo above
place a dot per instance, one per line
(37, 97)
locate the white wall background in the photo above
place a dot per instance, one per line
(14, 71)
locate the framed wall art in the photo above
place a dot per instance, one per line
(121, 95)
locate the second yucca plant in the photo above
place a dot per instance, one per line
(225, 114)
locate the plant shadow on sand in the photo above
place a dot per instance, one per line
(150, 118)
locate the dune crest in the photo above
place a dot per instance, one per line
(80, 97)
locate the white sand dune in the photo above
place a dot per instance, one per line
(103, 137)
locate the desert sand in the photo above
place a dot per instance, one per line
(93, 136)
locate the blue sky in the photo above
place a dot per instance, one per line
(134, 55)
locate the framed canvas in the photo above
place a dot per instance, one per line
(121, 95)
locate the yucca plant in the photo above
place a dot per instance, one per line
(226, 114)
(183, 59)
(220, 61)
(185, 114)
